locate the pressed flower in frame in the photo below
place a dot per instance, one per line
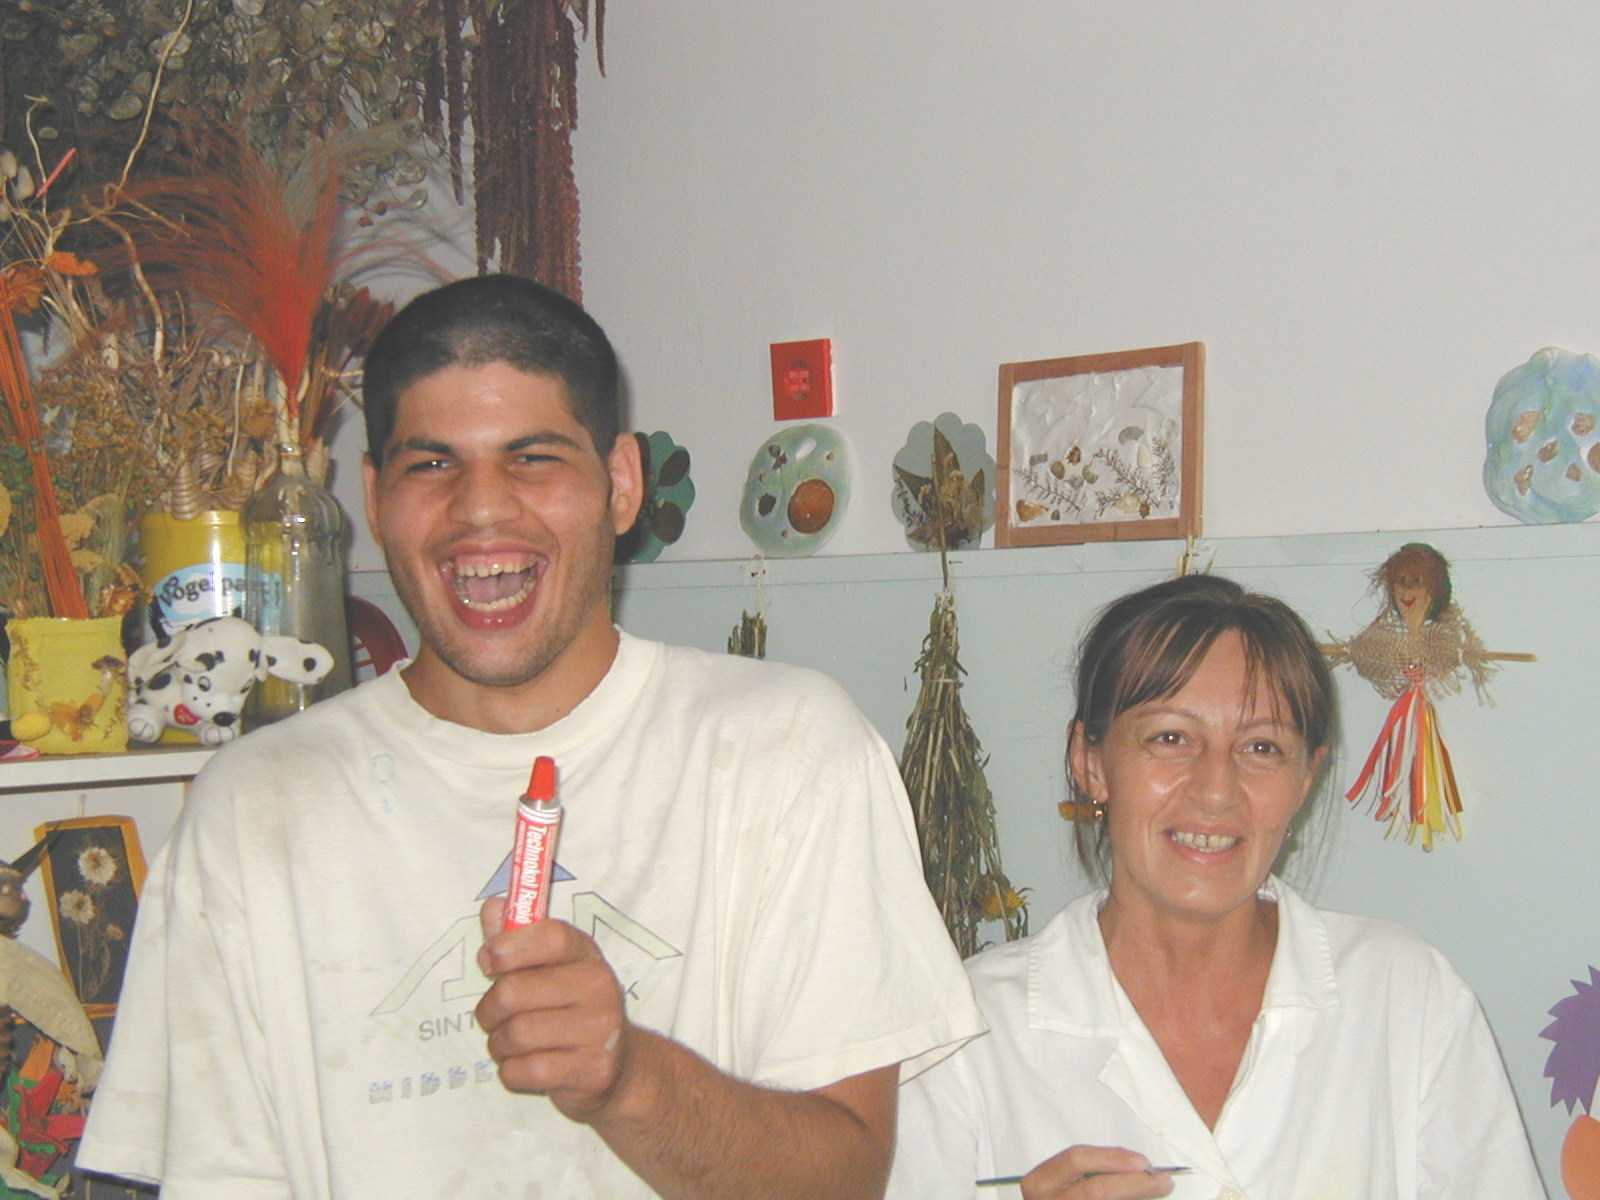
(77, 907)
(97, 865)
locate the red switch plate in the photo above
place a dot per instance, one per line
(802, 379)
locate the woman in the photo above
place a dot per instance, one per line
(1197, 1013)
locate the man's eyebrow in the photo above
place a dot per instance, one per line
(421, 446)
(549, 438)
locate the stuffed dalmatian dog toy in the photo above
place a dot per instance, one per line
(196, 678)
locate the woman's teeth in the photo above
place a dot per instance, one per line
(1208, 842)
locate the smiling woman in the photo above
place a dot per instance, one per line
(1196, 1011)
(1148, 646)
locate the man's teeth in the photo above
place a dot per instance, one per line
(485, 569)
(1208, 842)
(521, 576)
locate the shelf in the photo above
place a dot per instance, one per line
(132, 766)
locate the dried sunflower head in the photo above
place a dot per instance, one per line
(995, 898)
(76, 526)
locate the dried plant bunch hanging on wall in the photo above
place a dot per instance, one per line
(942, 765)
(519, 75)
(286, 72)
(942, 762)
(749, 636)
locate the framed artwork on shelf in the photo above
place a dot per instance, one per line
(1100, 447)
(93, 872)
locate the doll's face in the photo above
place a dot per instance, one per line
(1411, 599)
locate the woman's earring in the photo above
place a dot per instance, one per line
(1086, 811)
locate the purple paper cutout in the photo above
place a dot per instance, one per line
(1574, 1064)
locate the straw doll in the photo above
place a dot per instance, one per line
(1414, 651)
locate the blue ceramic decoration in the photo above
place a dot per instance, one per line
(1543, 430)
(969, 503)
(797, 491)
(668, 496)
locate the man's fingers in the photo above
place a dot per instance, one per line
(491, 915)
(567, 1076)
(563, 989)
(553, 1031)
(550, 942)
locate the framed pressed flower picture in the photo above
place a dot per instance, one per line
(93, 872)
(1100, 447)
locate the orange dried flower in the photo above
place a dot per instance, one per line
(21, 287)
(64, 262)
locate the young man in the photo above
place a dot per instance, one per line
(743, 950)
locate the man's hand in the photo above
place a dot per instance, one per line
(1094, 1173)
(554, 1014)
(556, 1024)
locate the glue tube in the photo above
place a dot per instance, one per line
(533, 855)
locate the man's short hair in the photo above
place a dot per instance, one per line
(493, 319)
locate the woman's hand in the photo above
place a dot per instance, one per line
(1094, 1173)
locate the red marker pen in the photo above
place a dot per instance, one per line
(533, 855)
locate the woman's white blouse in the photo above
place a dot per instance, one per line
(1370, 1074)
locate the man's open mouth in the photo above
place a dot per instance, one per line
(490, 583)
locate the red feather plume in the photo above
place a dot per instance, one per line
(257, 245)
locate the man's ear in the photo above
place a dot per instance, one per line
(627, 482)
(369, 483)
(1088, 774)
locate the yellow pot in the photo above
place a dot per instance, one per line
(195, 567)
(73, 673)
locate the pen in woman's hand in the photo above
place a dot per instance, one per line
(1002, 1180)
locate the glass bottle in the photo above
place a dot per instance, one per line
(294, 582)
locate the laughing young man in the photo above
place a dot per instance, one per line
(319, 1002)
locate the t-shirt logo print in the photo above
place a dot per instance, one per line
(442, 985)
(636, 953)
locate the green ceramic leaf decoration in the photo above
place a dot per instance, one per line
(667, 522)
(669, 493)
(674, 469)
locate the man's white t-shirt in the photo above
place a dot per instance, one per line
(298, 1013)
(1370, 1074)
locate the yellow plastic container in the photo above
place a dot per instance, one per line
(73, 673)
(195, 568)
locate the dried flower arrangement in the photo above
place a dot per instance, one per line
(289, 73)
(52, 560)
(258, 249)
(199, 320)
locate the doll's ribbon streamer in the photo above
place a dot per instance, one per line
(1410, 773)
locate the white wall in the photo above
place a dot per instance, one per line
(1368, 214)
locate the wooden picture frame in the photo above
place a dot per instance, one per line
(93, 873)
(1100, 447)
